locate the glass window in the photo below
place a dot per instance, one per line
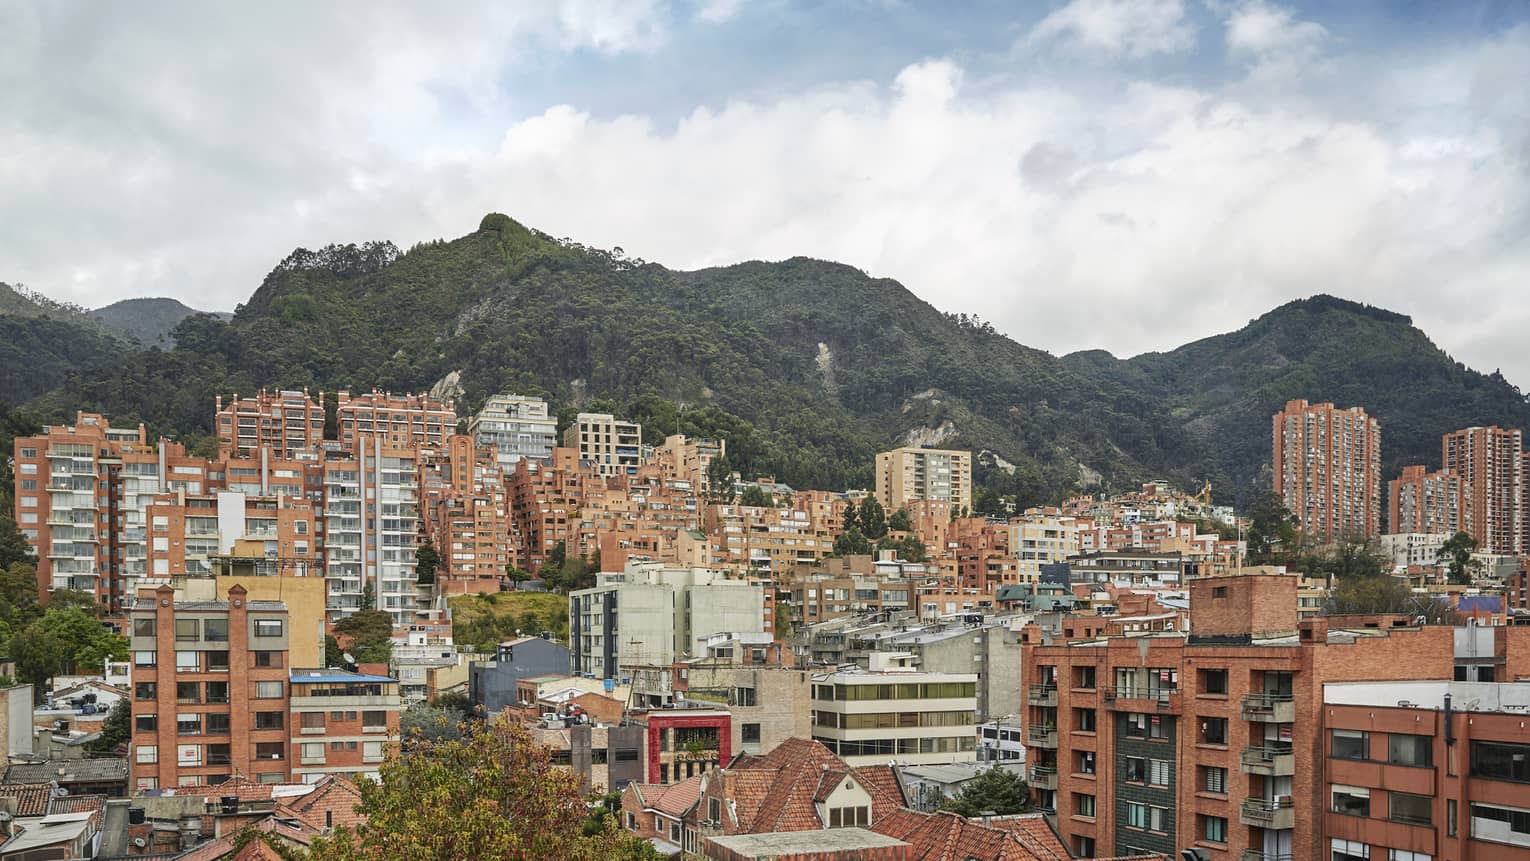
(188, 724)
(215, 630)
(217, 723)
(1213, 731)
(143, 659)
(268, 720)
(1214, 828)
(1158, 772)
(1134, 770)
(268, 627)
(186, 630)
(145, 723)
(268, 690)
(312, 720)
(1351, 800)
(1083, 804)
(1214, 682)
(1501, 761)
(1351, 744)
(145, 690)
(146, 754)
(1413, 809)
(143, 627)
(1214, 779)
(270, 750)
(1136, 814)
(217, 660)
(188, 661)
(1416, 750)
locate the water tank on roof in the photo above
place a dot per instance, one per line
(230, 803)
(136, 816)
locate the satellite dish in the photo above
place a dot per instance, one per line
(346, 656)
(139, 842)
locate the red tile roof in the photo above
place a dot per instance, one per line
(674, 800)
(31, 798)
(331, 804)
(780, 790)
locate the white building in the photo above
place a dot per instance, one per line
(1040, 539)
(870, 718)
(371, 521)
(1413, 548)
(515, 426)
(614, 446)
(652, 614)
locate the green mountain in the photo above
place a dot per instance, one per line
(806, 367)
(43, 343)
(148, 320)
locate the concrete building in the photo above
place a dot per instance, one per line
(769, 703)
(990, 650)
(514, 427)
(614, 446)
(493, 684)
(1328, 469)
(1490, 462)
(1159, 741)
(284, 422)
(371, 511)
(1040, 538)
(1410, 549)
(682, 459)
(908, 474)
(393, 421)
(872, 717)
(1425, 502)
(341, 722)
(652, 614)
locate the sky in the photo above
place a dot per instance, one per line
(1127, 175)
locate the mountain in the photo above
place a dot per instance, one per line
(148, 320)
(43, 343)
(806, 367)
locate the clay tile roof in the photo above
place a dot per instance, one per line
(678, 798)
(77, 804)
(1034, 832)
(257, 850)
(31, 798)
(332, 804)
(948, 837)
(247, 790)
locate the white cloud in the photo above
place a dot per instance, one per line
(1271, 39)
(718, 11)
(1119, 28)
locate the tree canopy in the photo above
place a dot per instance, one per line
(998, 790)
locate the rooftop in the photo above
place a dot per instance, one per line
(789, 843)
(1504, 697)
(333, 675)
(68, 771)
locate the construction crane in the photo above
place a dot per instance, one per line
(1204, 497)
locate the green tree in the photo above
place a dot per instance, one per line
(873, 518)
(492, 794)
(909, 548)
(852, 518)
(1272, 530)
(516, 575)
(997, 789)
(40, 655)
(783, 621)
(371, 636)
(756, 496)
(1456, 552)
(900, 522)
(14, 547)
(430, 722)
(720, 480)
(1348, 558)
(426, 560)
(87, 643)
(60, 599)
(334, 656)
(851, 543)
(115, 730)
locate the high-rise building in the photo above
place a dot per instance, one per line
(1328, 469)
(515, 427)
(398, 421)
(1490, 462)
(371, 513)
(284, 421)
(1425, 502)
(907, 474)
(613, 445)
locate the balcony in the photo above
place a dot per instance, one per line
(1141, 699)
(1278, 813)
(1044, 777)
(1269, 708)
(1039, 736)
(1042, 695)
(1256, 855)
(1269, 760)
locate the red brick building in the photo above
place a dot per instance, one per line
(1328, 469)
(1490, 462)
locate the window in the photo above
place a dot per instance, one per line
(1214, 779)
(145, 723)
(1214, 828)
(1501, 824)
(1213, 731)
(1413, 809)
(1134, 770)
(745, 697)
(1500, 761)
(188, 662)
(188, 693)
(714, 810)
(1406, 855)
(188, 724)
(268, 627)
(1214, 682)
(215, 630)
(312, 752)
(217, 724)
(1083, 804)
(143, 659)
(1084, 720)
(1351, 744)
(1348, 850)
(217, 661)
(1158, 818)
(1158, 772)
(268, 690)
(188, 754)
(1219, 592)
(270, 750)
(374, 721)
(268, 720)
(1085, 762)
(1450, 817)
(268, 659)
(1136, 815)
(146, 754)
(750, 733)
(311, 720)
(372, 751)
(1415, 750)
(145, 691)
(186, 630)
(143, 627)
(1351, 800)
(849, 817)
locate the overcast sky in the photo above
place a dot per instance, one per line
(1118, 174)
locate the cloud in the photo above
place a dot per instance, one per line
(718, 11)
(1120, 28)
(1270, 38)
(1129, 215)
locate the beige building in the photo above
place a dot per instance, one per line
(907, 474)
(614, 446)
(870, 717)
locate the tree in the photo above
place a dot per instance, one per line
(997, 789)
(334, 656)
(60, 599)
(516, 575)
(87, 643)
(426, 560)
(756, 496)
(1366, 596)
(430, 722)
(1350, 557)
(1456, 552)
(873, 518)
(851, 543)
(39, 655)
(492, 794)
(908, 548)
(371, 636)
(14, 547)
(1272, 535)
(783, 621)
(851, 520)
(115, 730)
(720, 480)
(900, 522)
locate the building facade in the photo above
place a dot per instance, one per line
(871, 717)
(613, 445)
(514, 427)
(1328, 469)
(908, 474)
(1425, 502)
(1490, 462)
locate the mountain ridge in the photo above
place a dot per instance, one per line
(807, 366)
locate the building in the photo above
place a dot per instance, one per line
(1490, 462)
(1157, 741)
(614, 446)
(341, 722)
(209, 690)
(769, 703)
(393, 421)
(1430, 503)
(284, 422)
(767, 538)
(940, 475)
(514, 427)
(493, 684)
(872, 717)
(1328, 469)
(682, 743)
(371, 511)
(1414, 549)
(543, 495)
(652, 614)
(688, 462)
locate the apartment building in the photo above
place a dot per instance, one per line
(341, 722)
(543, 496)
(1419, 501)
(908, 474)
(1414, 549)
(685, 460)
(769, 703)
(393, 421)
(1490, 462)
(209, 690)
(284, 422)
(1328, 469)
(471, 534)
(614, 446)
(1041, 537)
(1128, 567)
(371, 498)
(514, 427)
(188, 532)
(1159, 741)
(767, 539)
(652, 614)
(869, 717)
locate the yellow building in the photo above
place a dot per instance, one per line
(906, 474)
